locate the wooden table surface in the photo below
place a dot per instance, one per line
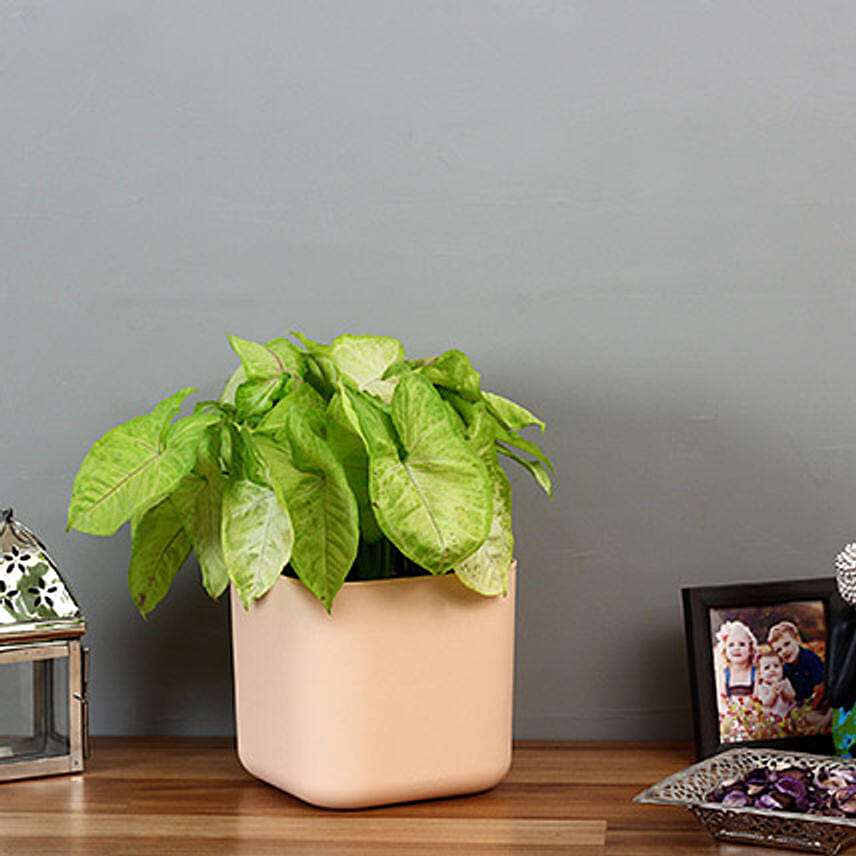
(190, 796)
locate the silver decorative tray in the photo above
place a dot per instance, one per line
(807, 832)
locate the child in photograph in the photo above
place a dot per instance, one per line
(802, 667)
(772, 688)
(737, 645)
(735, 652)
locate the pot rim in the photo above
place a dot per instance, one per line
(421, 577)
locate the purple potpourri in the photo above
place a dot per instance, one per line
(791, 788)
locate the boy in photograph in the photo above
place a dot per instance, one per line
(802, 667)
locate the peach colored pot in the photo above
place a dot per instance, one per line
(403, 693)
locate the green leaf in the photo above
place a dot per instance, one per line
(210, 407)
(320, 369)
(348, 448)
(512, 415)
(481, 431)
(238, 377)
(199, 502)
(430, 491)
(536, 469)
(311, 346)
(256, 397)
(312, 483)
(159, 548)
(290, 355)
(254, 387)
(208, 452)
(303, 397)
(513, 439)
(372, 424)
(487, 570)
(185, 435)
(257, 538)
(464, 410)
(453, 370)
(241, 463)
(134, 465)
(364, 361)
(218, 451)
(272, 359)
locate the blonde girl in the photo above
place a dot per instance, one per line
(736, 649)
(734, 654)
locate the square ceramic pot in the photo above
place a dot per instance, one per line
(404, 692)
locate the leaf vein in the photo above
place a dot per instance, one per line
(423, 499)
(104, 497)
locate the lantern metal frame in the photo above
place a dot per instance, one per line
(78, 720)
(42, 634)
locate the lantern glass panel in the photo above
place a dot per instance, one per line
(34, 709)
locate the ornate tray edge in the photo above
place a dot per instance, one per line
(651, 796)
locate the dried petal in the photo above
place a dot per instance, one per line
(786, 787)
(735, 798)
(836, 782)
(792, 786)
(769, 801)
(845, 799)
(758, 776)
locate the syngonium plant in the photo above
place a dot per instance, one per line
(325, 462)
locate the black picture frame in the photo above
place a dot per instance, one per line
(698, 601)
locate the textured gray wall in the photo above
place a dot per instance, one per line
(635, 217)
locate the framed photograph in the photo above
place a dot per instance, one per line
(757, 662)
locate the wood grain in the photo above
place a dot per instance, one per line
(175, 796)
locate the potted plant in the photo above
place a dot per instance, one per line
(348, 473)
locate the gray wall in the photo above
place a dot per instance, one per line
(635, 217)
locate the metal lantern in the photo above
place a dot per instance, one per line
(43, 666)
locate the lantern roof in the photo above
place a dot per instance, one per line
(36, 603)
